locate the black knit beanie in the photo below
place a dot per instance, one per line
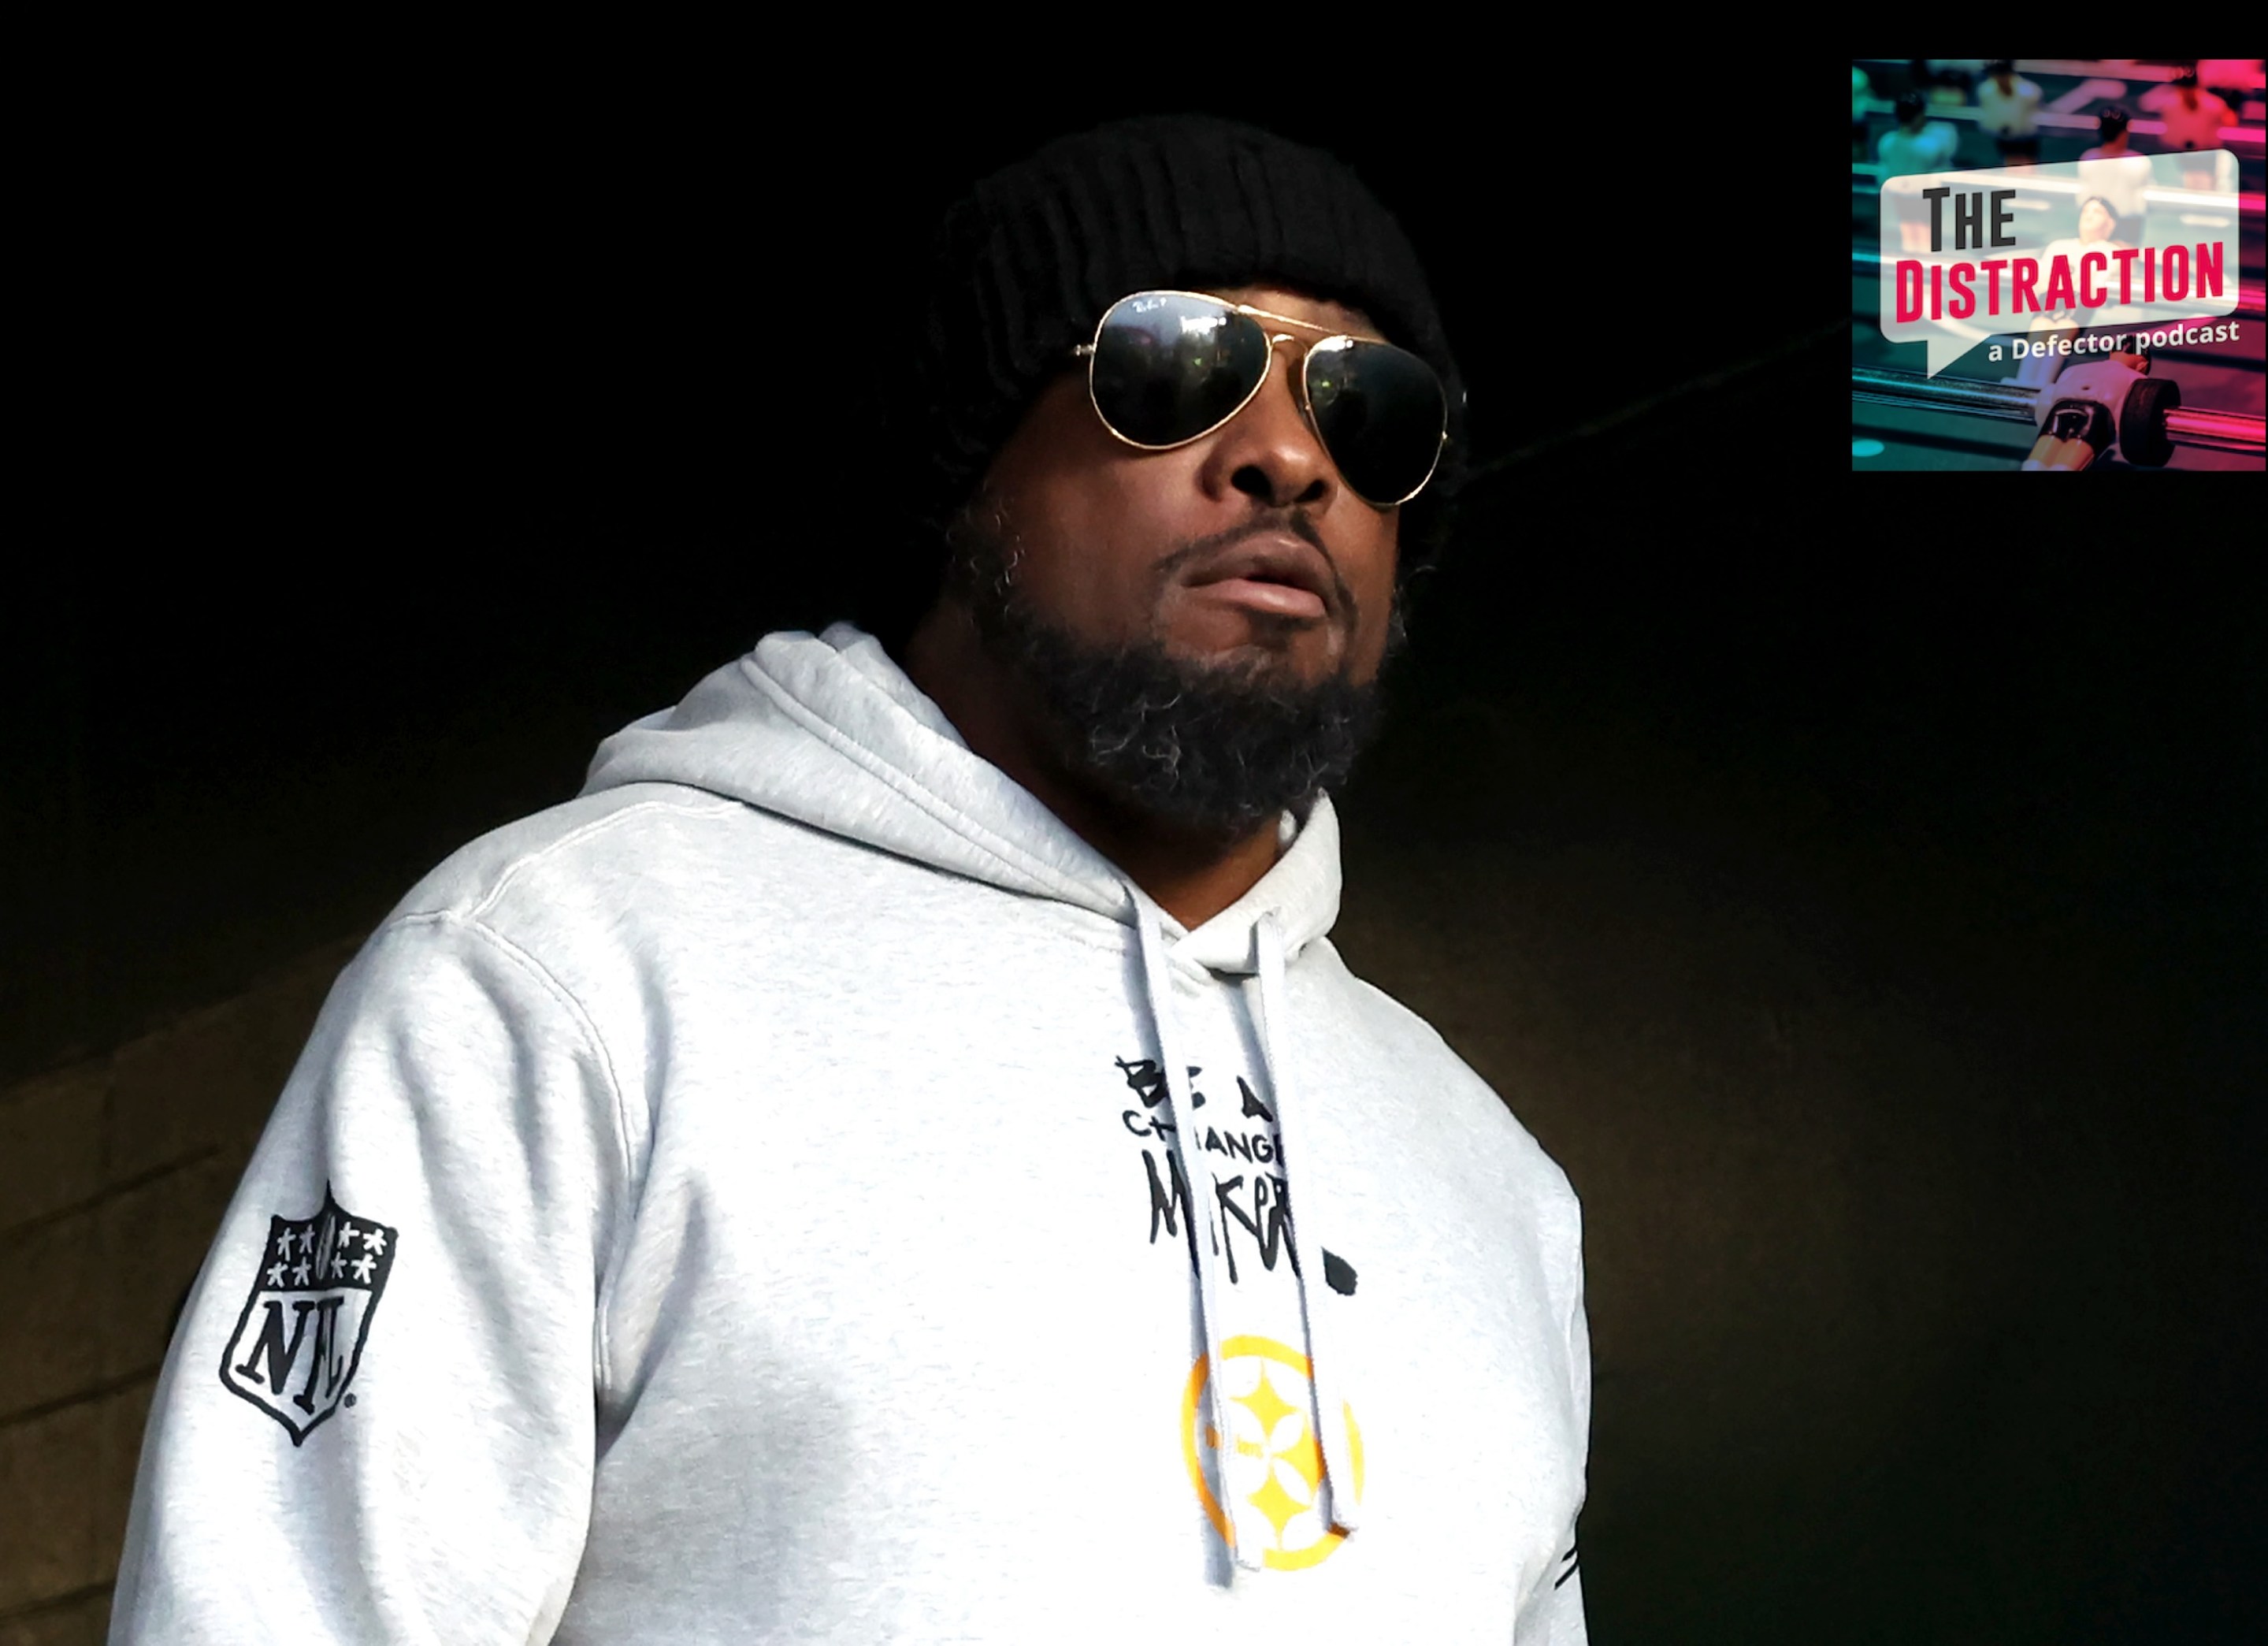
(1025, 264)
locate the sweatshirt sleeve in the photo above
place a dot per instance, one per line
(376, 1419)
(1552, 1615)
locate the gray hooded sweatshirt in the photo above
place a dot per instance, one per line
(799, 1190)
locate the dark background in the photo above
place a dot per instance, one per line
(1859, 892)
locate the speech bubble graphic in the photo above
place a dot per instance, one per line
(2033, 254)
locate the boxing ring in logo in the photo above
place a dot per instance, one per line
(1273, 1462)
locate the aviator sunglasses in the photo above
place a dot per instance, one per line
(1169, 367)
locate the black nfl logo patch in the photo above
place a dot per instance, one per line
(299, 1338)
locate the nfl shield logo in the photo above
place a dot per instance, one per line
(300, 1336)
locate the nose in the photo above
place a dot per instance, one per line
(1267, 451)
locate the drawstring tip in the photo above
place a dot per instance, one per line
(1340, 1513)
(1342, 1449)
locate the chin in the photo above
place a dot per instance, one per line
(1305, 652)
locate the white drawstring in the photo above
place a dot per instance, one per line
(1202, 1204)
(1332, 1418)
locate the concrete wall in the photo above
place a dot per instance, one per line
(1917, 1171)
(114, 1173)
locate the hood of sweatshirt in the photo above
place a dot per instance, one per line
(826, 730)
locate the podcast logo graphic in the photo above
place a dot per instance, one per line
(1273, 1462)
(2029, 257)
(299, 1338)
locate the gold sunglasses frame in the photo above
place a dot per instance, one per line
(1086, 351)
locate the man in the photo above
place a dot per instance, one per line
(2008, 105)
(2079, 418)
(835, 1180)
(1917, 143)
(1947, 80)
(2112, 170)
(2194, 118)
(1914, 146)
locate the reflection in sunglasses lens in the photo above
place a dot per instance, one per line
(1378, 410)
(1167, 367)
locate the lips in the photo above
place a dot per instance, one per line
(1276, 573)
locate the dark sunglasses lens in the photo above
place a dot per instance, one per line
(1380, 411)
(1168, 368)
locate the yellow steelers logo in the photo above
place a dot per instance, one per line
(1274, 1462)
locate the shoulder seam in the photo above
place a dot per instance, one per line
(573, 837)
(544, 979)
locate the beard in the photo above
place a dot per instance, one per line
(1213, 748)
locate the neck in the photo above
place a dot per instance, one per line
(1193, 876)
